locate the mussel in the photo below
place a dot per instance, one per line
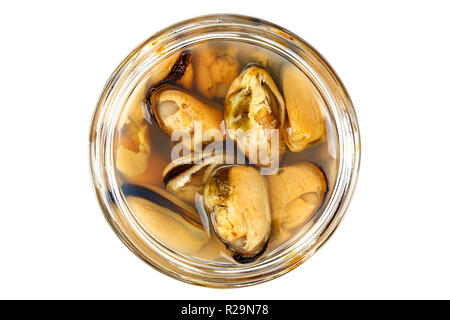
(133, 110)
(296, 193)
(305, 124)
(175, 109)
(168, 219)
(254, 116)
(133, 151)
(237, 199)
(185, 176)
(216, 68)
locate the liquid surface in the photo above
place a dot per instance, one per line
(143, 150)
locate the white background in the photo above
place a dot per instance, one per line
(393, 58)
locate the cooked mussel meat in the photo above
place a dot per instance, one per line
(185, 176)
(166, 218)
(175, 109)
(255, 114)
(133, 151)
(305, 124)
(175, 70)
(216, 68)
(237, 199)
(296, 193)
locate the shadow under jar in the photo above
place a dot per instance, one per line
(203, 208)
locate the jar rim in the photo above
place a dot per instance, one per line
(154, 49)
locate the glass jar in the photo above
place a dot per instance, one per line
(131, 72)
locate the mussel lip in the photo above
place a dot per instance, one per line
(248, 259)
(175, 172)
(176, 72)
(181, 165)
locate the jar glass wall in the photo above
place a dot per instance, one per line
(131, 80)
